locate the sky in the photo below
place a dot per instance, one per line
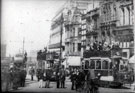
(29, 20)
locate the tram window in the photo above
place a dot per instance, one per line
(111, 65)
(105, 64)
(86, 64)
(98, 65)
(92, 64)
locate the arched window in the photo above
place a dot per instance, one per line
(128, 8)
(114, 13)
(131, 15)
(121, 16)
(126, 16)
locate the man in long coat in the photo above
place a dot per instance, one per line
(63, 77)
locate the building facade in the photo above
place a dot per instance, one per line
(72, 38)
(57, 33)
(117, 24)
(73, 27)
(85, 22)
(90, 27)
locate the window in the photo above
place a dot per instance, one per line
(114, 13)
(92, 64)
(86, 64)
(84, 31)
(73, 47)
(105, 64)
(79, 46)
(98, 64)
(123, 16)
(128, 9)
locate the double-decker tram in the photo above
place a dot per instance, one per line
(108, 65)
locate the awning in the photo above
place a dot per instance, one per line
(74, 61)
(132, 59)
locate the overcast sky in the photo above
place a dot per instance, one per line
(27, 18)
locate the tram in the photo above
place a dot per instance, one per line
(111, 67)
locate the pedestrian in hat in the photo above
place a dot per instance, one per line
(41, 75)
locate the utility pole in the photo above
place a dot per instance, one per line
(61, 40)
(134, 35)
(134, 24)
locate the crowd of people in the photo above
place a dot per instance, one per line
(16, 77)
(77, 77)
(80, 77)
(46, 76)
(99, 46)
(100, 49)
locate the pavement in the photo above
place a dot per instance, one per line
(33, 86)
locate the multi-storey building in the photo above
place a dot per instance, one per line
(72, 39)
(73, 27)
(93, 31)
(104, 21)
(117, 24)
(90, 27)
